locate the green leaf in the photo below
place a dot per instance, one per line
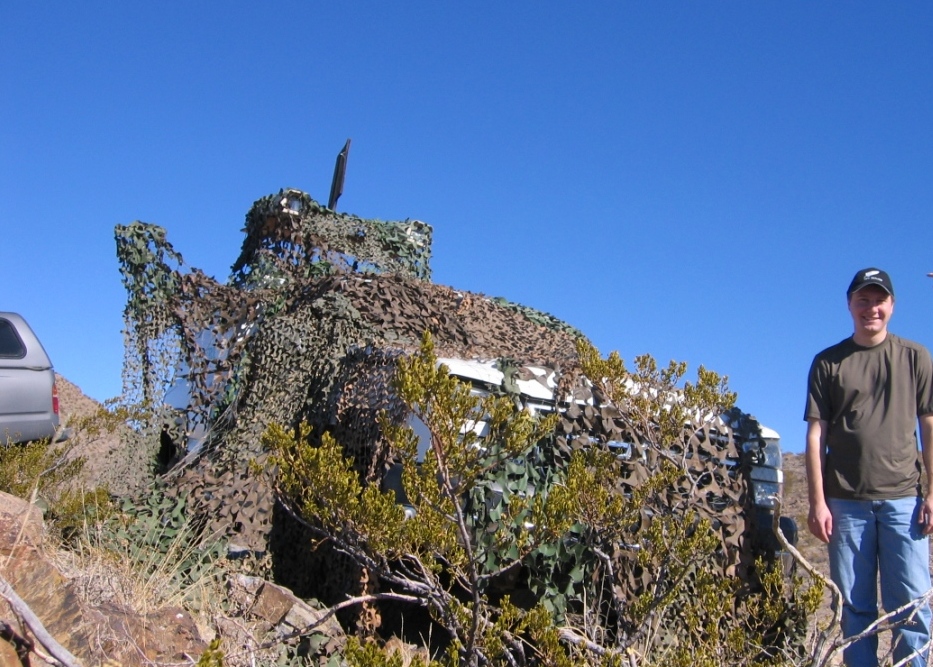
(547, 550)
(576, 574)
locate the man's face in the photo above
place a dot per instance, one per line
(871, 308)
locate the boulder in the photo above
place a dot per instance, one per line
(92, 634)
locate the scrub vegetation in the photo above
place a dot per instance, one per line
(571, 538)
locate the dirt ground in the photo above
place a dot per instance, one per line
(796, 505)
(102, 451)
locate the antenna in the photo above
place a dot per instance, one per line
(340, 172)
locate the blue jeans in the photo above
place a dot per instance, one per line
(880, 536)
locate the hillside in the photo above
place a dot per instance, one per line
(797, 506)
(104, 458)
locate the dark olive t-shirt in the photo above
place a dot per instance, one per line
(871, 397)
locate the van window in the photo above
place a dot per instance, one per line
(11, 346)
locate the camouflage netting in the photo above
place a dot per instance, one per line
(319, 307)
(290, 236)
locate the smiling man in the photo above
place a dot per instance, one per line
(865, 397)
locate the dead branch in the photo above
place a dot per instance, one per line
(571, 636)
(881, 623)
(820, 654)
(56, 650)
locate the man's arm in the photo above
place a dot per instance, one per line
(926, 446)
(820, 521)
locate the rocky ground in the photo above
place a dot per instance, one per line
(92, 627)
(796, 506)
(72, 608)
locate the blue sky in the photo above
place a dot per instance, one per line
(698, 181)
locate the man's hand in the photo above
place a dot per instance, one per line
(820, 521)
(926, 514)
(926, 450)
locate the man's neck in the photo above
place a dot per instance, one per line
(869, 340)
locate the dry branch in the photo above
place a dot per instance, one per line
(56, 650)
(821, 654)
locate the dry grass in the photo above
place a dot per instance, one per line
(140, 580)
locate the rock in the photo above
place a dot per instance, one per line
(273, 603)
(93, 634)
(281, 608)
(303, 615)
(8, 656)
(20, 524)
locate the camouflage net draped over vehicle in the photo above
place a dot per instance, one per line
(318, 308)
(290, 236)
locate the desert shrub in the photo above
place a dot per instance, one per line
(618, 572)
(41, 473)
(37, 468)
(76, 510)
(371, 654)
(212, 657)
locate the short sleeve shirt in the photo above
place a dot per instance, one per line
(870, 397)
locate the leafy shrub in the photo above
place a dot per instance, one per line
(578, 538)
(41, 473)
(36, 468)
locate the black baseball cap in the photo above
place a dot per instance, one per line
(870, 276)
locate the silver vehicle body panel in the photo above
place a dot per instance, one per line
(27, 380)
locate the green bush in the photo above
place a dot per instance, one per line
(578, 538)
(41, 473)
(36, 468)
